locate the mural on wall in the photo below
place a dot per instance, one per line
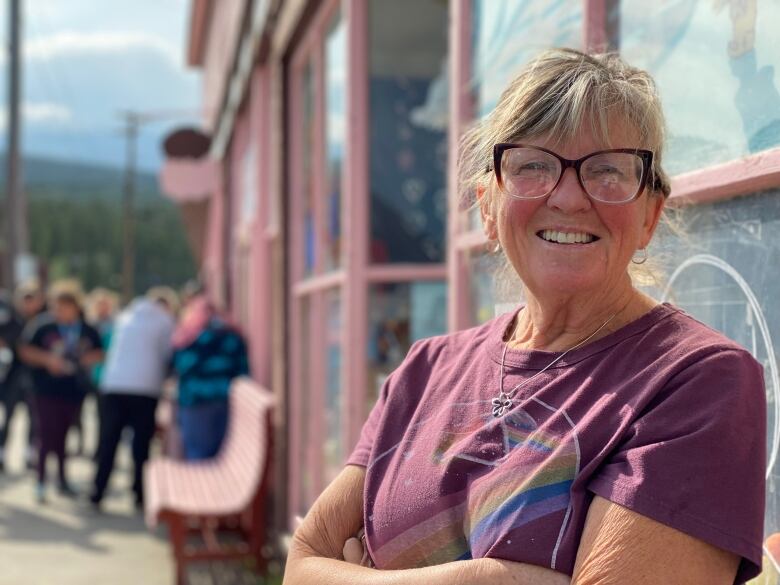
(718, 272)
(728, 45)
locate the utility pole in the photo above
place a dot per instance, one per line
(16, 244)
(132, 121)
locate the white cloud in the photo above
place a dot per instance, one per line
(71, 43)
(40, 113)
(46, 113)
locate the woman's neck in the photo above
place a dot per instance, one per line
(560, 324)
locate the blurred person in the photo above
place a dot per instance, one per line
(29, 301)
(135, 368)
(11, 392)
(60, 347)
(101, 307)
(209, 352)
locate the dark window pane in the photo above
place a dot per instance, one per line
(408, 133)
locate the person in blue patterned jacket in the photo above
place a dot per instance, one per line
(209, 352)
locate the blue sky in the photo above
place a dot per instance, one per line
(85, 61)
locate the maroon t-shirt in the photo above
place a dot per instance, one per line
(665, 416)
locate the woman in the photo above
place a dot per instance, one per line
(593, 434)
(209, 353)
(61, 349)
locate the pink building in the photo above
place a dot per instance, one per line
(325, 214)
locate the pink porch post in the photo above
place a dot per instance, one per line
(295, 128)
(460, 114)
(357, 220)
(260, 259)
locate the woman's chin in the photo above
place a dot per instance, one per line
(565, 284)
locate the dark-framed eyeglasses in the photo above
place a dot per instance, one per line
(614, 176)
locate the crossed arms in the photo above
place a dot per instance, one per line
(618, 546)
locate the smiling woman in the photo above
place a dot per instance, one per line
(592, 435)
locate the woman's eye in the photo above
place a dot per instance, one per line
(530, 167)
(607, 172)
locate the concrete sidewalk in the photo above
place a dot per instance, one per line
(65, 541)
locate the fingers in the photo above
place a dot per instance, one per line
(353, 551)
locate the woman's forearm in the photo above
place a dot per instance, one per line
(304, 571)
(34, 356)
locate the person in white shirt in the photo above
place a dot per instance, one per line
(133, 375)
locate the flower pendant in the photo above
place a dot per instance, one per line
(501, 405)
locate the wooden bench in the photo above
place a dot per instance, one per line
(222, 495)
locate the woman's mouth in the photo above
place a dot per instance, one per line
(557, 237)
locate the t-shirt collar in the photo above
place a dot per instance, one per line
(533, 359)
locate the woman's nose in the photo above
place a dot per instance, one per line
(569, 196)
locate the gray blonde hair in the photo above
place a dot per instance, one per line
(557, 94)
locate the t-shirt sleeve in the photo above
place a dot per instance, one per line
(94, 337)
(32, 333)
(362, 451)
(694, 458)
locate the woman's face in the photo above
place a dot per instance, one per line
(548, 267)
(65, 311)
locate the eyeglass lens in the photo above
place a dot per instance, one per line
(612, 177)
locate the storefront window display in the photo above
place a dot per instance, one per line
(399, 315)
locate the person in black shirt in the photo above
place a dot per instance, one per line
(28, 302)
(11, 393)
(60, 348)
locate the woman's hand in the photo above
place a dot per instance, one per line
(58, 366)
(355, 551)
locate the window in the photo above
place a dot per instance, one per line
(408, 130)
(315, 161)
(729, 50)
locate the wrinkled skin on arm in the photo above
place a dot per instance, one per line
(619, 546)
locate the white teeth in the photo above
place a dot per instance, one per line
(567, 237)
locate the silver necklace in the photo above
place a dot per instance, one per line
(504, 401)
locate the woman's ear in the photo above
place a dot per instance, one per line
(488, 213)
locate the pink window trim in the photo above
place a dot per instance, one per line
(405, 272)
(356, 218)
(461, 111)
(318, 283)
(734, 178)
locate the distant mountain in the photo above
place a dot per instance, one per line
(53, 179)
(75, 225)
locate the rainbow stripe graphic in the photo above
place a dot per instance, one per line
(529, 478)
